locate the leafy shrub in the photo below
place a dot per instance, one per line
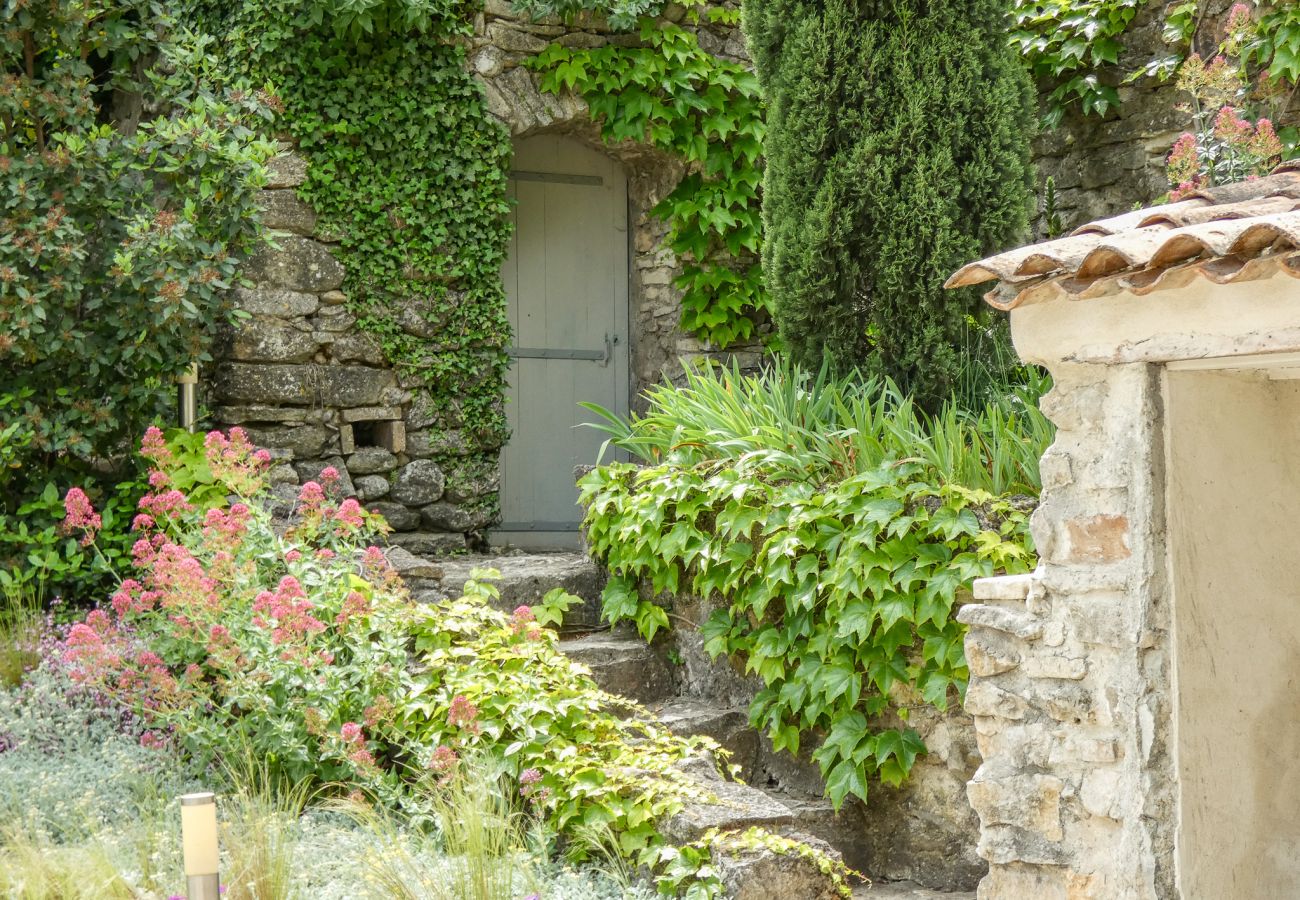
(834, 528)
(896, 149)
(789, 423)
(299, 644)
(120, 240)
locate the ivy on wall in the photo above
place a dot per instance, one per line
(406, 169)
(669, 92)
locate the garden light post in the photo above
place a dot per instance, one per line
(187, 400)
(199, 846)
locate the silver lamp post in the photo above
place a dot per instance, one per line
(187, 400)
(199, 846)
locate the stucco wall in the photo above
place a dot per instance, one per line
(1234, 487)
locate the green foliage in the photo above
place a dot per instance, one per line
(1277, 44)
(841, 598)
(897, 148)
(670, 93)
(1067, 41)
(834, 529)
(406, 169)
(117, 244)
(793, 425)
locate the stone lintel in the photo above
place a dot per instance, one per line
(1003, 587)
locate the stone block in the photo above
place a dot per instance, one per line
(1001, 844)
(333, 298)
(429, 543)
(1021, 882)
(472, 480)
(300, 385)
(401, 518)
(418, 483)
(1097, 539)
(334, 318)
(515, 40)
(449, 517)
(1015, 622)
(285, 170)
(1007, 588)
(987, 658)
(1031, 802)
(1041, 665)
(262, 339)
(749, 874)
(296, 263)
(269, 301)
(436, 442)
(370, 413)
(239, 415)
(985, 699)
(361, 348)
(305, 441)
(281, 473)
(370, 487)
(283, 211)
(1100, 793)
(371, 461)
(391, 435)
(408, 565)
(347, 439)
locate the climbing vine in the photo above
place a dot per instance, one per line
(840, 598)
(671, 93)
(406, 170)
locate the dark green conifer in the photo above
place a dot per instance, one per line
(897, 150)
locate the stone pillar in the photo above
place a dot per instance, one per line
(1069, 682)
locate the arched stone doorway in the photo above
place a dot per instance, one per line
(567, 279)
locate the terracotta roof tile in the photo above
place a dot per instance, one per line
(1227, 233)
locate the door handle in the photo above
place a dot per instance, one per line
(600, 356)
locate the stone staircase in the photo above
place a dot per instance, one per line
(623, 664)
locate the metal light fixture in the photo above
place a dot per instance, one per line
(199, 846)
(187, 400)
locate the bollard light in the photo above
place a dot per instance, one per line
(187, 400)
(199, 846)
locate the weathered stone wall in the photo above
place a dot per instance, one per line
(1070, 684)
(305, 382)
(1106, 166)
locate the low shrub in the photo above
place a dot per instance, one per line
(834, 528)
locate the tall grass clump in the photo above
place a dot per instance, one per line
(20, 631)
(790, 423)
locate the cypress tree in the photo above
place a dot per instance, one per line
(897, 150)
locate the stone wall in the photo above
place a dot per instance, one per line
(1070, 667)
(1103, 166)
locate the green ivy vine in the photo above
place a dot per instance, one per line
(840, 598)
(407, 170)
(671, 93)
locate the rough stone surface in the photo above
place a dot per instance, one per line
(401, 517)
(427, 543)
(624, 666)
(371, 461)
(275, 302)
(408, 565)
(418, 482)
(449, 517)
(370, 487)
(305, 441)
(764, 875)
(283, 211)
(309, 470)
(297, 263)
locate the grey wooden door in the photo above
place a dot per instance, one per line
(567, 280)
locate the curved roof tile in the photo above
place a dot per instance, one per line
(1226, 233)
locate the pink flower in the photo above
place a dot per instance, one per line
(1238, 17)
(462, 713)
(1230, 127)
(154, 446)
(329, 475)
(350, 513)
(80, 515)
(350, 732)
(324, 553)
(528, 780)
(443, 761)
(263, 457)
(311, 495)
(293, 556)
(158, 479)
(362, 758)
(151, 740)
(142, 522)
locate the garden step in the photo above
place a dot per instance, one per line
(626, 666)
(906, 890)
(525, 580)
(729, 726)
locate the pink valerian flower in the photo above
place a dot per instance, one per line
(523, 621)
(351, 733)
(1184, 160)
(235, 461)
(528, 781)
(325, 553)
(293, 556)
(354, 604)
(329, 478)
(379, 571)
(443, 762)
(152, 740)
(163, 505)
(463, 714)
(311, 497)
(1238, 17)
(1231, 128)
(131, 597)
(290, 609)
(314, 721)
(1266, 144)
(350, 514)
(362, 759)
(80, 515)
(98, 620)
(158, 479)
(378, 712)
(142, 522)
(154, 447)
(182, 581)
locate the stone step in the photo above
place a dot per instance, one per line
(525, 580)
(729, 726)
(624, 665)
(906, 890)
